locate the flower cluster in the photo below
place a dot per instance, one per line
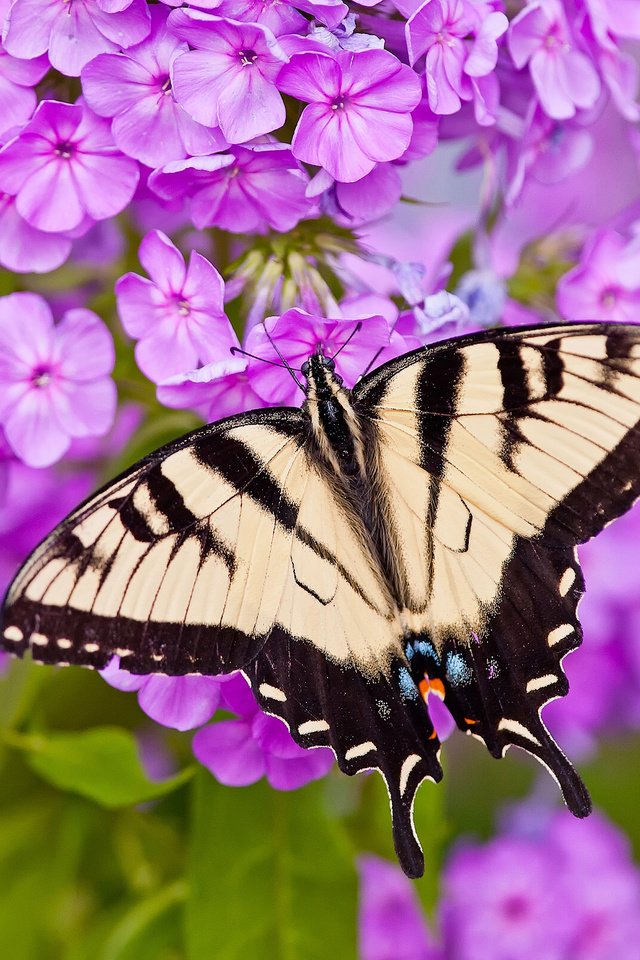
(558, 889)
(296, 149)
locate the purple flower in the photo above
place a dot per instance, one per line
(63, 167)
(359, 111)
(134, 88)
(240, 752)
(564, 77)
(17, 98)
(23, 248)
(183, 703)
(606, 283)
(390, 920)
(455, 65)
(246, 190)
(228, 80)
(564, 889)
(73, 32)
(215, 390)
(178, 315)
(297, 335)
(55, 378)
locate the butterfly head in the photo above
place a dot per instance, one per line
(322, 380)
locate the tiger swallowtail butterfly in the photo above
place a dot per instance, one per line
(414, 535)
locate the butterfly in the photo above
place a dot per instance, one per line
(413, 537)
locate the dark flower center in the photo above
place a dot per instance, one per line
(41, 376)
(339, 103)
(516, 907)
(165, 87)
(609, 297)
(247, 57)
(65, 149)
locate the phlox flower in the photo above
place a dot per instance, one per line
(555, 888)
(605, 285)
(390, 919)
(134, 88)
(178, 315)
(244, 190)
(54, 378)
(359, 111)
(459, 38)
(227, 81)
(564, 77)
(183, 703)
(17, 96)
(63, 167)
(240, 752)
(72, 33)
(215, 390)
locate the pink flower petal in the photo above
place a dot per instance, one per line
(84, 345)
(163, 262)
(180, 702)
(229, 751)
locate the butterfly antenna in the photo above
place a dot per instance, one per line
(356, 329)
(234, 350)
(285, 363)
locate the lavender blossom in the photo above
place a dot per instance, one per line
(228, 80)
(73, 34)
(244, 190)
(359, 109)
(54, 378)
(63, 168)
(178, 315)
(134, 88)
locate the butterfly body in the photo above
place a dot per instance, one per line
(413, 536)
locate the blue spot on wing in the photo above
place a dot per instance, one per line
(458, 671)
(408, 689)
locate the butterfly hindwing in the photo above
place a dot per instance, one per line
(528, 443)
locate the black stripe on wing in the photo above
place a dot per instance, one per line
(497, 681)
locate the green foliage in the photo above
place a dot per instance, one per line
(272, 875)
(101, 764)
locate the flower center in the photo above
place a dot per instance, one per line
(184, 308)
(65, 149)
(165, 87)
(609, 297)
(247, 57)
(515, 907)
(339, 103)
(41, 376)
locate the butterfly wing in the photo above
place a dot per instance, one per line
(497, 454)
(225, 550)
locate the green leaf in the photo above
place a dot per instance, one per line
(272, 876)
(101, 764)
